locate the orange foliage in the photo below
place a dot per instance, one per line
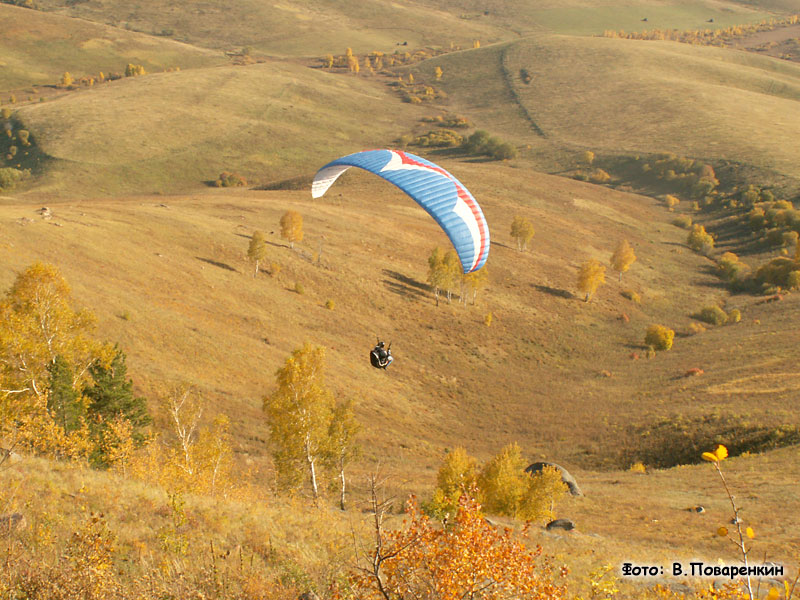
(466, 559)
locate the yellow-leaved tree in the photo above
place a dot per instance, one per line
(343, 447)
(507, 489)
(622, 258)
(46, 352)
(476, 281)
(458, 473)
(591, 275)
(292, 227)
(299, 413)
(257, 250)
(522, 231)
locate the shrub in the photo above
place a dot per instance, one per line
(713, 315)
(10, 177)
(734, 316)
(659, 337)
(700, 240)
(488, 319)
(599, 176)
(775, 272)
(329, 304)
(671, 201)
(682, 221)
(632, 296)
(695, 328)
(504, 151)
(228, 179)
(274, 269)
(299, 288)
(637, 468)
(440, 138)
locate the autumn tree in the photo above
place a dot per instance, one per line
(476, 281)
(452, 271)
(132, 70)
(192, 457)
(588, 157)
(45, 351)
(299, 413)
(471, 559)
(522, 231)
(257, 250)
(292, 227)
(591, 275)
(507, 489)
(458, 474)
(622, 258)
(436, 272)
(66, 79)
(438, 73)
(342, 444)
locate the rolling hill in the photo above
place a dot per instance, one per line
(38, 47)
(158, 254)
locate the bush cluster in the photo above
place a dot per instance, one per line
(449, 121)
(439, 138)
(228, 179)
(481, 143)
(693, 177)
(713, 315)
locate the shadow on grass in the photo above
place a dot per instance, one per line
(559, 293)
(216, 263)
(405, 286)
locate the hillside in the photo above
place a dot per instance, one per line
(295, 28)
(150, 245)
(38, 47)
(625, 96)
(455, 379)
(166, 132)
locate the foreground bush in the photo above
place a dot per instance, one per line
(469, 559)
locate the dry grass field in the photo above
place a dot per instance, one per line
(158, 254)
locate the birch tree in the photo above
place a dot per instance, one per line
(299, 413)
(342, 444)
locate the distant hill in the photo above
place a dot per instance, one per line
(633, 96)
(173, 131)
(38, 47)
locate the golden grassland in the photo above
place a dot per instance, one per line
(38, 47)
(173, 131)
(167, 278)
(632, 96)
(160, 258)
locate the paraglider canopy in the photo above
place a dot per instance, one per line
(443, 196)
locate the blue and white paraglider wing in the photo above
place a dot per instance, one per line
(437, 191)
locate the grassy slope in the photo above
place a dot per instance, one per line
(614, 96)
(295, 28)
(172, 131)
(195, 314)
(292, 27)
(37, 48)
(624, 516)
